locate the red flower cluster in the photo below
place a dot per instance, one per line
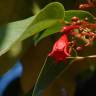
(61, 48)
(67, 29)
(87, 6)
(85, 32)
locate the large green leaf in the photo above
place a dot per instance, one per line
(20, 30)
(50, 15)
(11, 32)
(49, 72)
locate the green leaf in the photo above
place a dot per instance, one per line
(79, 13)
(47, 17)
(11, 32)
(49, 72)
(20, 30)
(68, 15)
(37, 28)
(53, 10)
(49, 31)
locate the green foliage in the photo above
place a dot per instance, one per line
(79, 13)
(67, 17)
(48, 21)
(11, 32)
(49, 31)
(49, 72)
(23, 29)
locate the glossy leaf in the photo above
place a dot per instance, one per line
(79, 13)
(20, 30)
(50, 15)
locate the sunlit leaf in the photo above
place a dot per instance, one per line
(20, 30)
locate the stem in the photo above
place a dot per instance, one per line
(35, 8)
(81, 58)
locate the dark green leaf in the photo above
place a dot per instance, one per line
(79, 13)
(49, 72)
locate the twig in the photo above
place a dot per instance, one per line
(81, 58)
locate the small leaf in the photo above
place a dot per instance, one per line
(49, 72)
(79, 13)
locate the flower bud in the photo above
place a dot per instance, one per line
(67, 29)
(75, 18)
(60, 49)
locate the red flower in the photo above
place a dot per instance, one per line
(87, 6)
(60, 49)
(67, 29)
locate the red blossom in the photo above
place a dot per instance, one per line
(67, 29)
(85, 32)
(60, 49)
(86, 6)
(74, 18)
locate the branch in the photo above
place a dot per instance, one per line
(81, 58)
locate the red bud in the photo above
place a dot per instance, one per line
(60, 49)
(67, 29)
